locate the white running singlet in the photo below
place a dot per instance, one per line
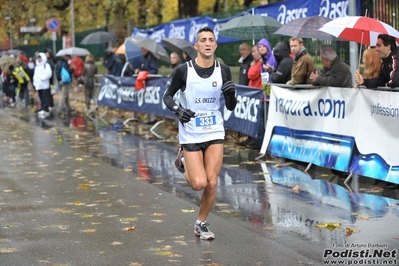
(202, 96)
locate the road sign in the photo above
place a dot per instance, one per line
(53, 24)
(30, 29)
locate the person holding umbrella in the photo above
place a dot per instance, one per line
(389, 71)
(201, 131)
(113, 62)
(149, 63)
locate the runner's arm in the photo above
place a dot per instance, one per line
(177, 83)
(230, 97)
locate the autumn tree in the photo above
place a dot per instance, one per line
(92, 14)
(188, 8)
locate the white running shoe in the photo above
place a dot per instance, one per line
(203, 231)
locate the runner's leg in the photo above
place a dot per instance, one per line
(213, 163)
(202, 172)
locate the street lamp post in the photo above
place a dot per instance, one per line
(10, 22)
(73, 22)
(9, 19)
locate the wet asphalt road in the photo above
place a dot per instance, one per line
(72, 197)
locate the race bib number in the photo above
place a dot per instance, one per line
(265, 77)
(205, 121)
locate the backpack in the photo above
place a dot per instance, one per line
(22, 73)
(65, 75)
(16, 77)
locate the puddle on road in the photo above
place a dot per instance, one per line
(271, 194)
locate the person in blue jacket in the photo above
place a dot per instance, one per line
(149, 63)
(114, 63)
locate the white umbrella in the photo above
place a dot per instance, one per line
(363, 30)
(73, 51)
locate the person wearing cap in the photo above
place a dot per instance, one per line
(114, 63)
(41, 82)
(63, 104)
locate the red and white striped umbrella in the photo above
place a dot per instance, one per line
(363, 30)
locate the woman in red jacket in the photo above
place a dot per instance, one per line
(78, 66)
(253, 74)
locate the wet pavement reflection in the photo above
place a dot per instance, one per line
(271, 197)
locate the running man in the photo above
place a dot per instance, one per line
(201, 131)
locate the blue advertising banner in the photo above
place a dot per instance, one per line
(284, 12)
(120, 92)
(246, 115)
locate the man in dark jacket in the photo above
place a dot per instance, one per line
(149, 63)
(389, 72)
(63, 104)
(114, 63)
(282, 73)
(245, 60)
(335, 73)
(52, 62)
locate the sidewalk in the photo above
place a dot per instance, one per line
(60, 206)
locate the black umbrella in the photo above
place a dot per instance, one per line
(155, 48)
(99, 37)
(180, 45)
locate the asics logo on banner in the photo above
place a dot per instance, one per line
(286, 16)
(194, 28)
(158, 35)
(121, 93)
(177, 31)
(216, 30)
(108, 90)
(247, 108)
(333, 10)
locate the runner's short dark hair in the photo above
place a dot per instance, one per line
(204, 29)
